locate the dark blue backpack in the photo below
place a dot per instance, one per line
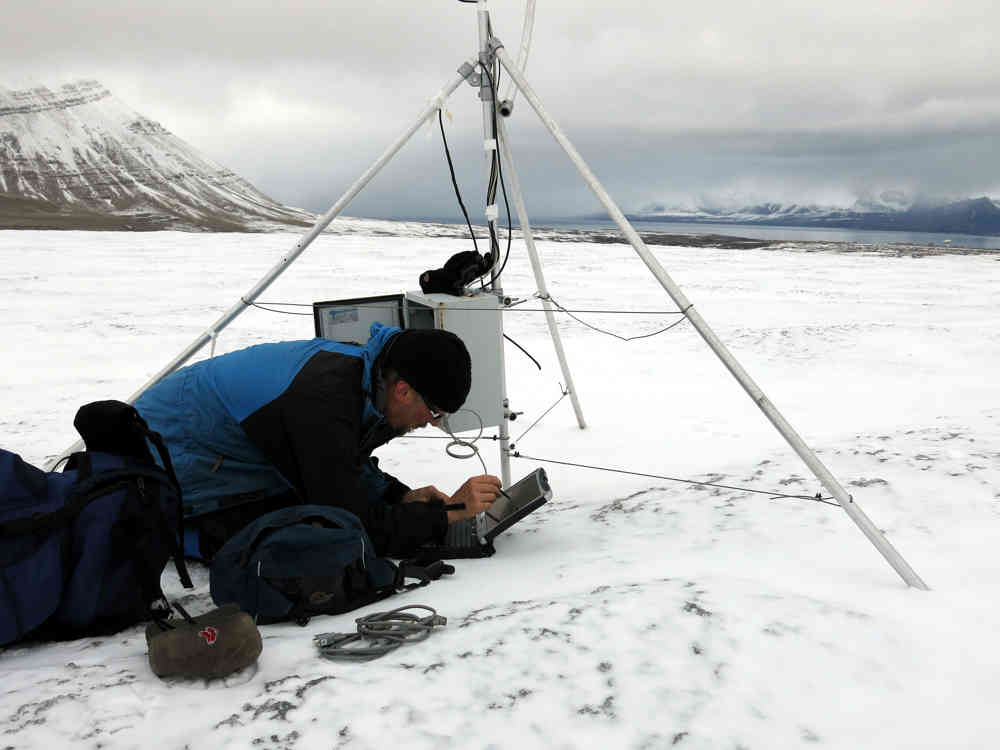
(82, 551)
(308, 560)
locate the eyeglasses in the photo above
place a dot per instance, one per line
(435, 413)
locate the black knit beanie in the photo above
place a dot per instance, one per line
(435, 363)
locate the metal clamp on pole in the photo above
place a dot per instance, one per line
(468, 71)
(493, 45)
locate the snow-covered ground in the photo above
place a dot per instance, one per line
(628, 612)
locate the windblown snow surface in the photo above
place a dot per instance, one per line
(630, 611)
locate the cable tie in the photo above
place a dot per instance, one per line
(490, 144)
(438, 102)
(438, 99)
(492, 212)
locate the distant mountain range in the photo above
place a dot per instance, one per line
(78, 158)
(890, 211)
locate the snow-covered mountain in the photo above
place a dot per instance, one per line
(884, 201)
(78, 157)
(890, 210)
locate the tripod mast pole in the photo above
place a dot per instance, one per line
(536, 266)
(487, 79)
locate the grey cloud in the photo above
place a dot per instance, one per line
(666, 101)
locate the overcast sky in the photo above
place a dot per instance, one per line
(801, 100)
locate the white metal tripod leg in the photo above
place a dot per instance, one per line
(286, 261)
(536, 266)
(869, 529)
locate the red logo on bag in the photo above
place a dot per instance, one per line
(210, 634)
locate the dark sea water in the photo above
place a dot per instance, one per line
(812, 234)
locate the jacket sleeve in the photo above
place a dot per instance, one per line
(312, 433)
(380, 484)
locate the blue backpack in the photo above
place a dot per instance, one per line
(306, 560)
(82, 550)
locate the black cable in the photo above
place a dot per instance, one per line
(523, 350)
(451, 167)
(491, 192)
(817, 498)
(609, 333)
(499, 162)
(454, 182)
(271, 309)
(491, 187)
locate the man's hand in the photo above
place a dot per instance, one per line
(478, 494)
(424, 494)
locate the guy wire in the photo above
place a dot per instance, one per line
(817, 498)
(565, 393)
(615, 335)
(559, 307)
(482, 309)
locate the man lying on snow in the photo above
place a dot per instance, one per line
(296, 422)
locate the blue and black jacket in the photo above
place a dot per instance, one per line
(295, 415)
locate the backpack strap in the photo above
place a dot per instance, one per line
(157, 440)
(118, 428)
(83, 495)
(146, 500)
(300, 613)
(423, 572)
(82, 464)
